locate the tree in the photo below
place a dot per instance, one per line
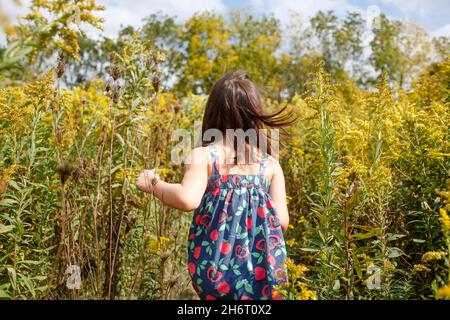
(386, 53)
(255, 42)
(441, 47)
(205, 53)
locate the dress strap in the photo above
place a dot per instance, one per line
(214, 158)
(262, 165)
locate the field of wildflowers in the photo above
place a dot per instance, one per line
(367, 165)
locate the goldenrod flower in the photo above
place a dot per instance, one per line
(433, 256)
(420, 268)
(445, 220)
(291, 242)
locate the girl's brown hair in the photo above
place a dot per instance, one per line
(235, 102)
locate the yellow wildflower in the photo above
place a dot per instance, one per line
(420, 268)
(444, 292)
(445, 220)
(388, 265)
(433, 256)
(288, 199)
(291, 242)
(156, 244)
(302, 220)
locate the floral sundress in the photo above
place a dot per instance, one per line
(236, 245)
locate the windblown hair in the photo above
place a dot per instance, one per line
(235, 102)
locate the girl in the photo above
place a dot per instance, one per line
(236, 245)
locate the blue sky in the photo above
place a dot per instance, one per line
(434, 15)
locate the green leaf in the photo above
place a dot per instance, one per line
(394, 252)
(248, 288)
(392, 237)
(336, 285)
(357, 265)
(5, 229)
(4, 295)
(14, 184)
(7, 202)
(361, 236)
(223, 267)
(309, 249)
(28, 284)
(12, 277)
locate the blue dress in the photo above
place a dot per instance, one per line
(236, 245)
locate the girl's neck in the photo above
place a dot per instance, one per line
(245, 154)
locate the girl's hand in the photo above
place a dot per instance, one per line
(144, 181)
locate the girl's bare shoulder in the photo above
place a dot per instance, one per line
(197, 155)
(274, 165)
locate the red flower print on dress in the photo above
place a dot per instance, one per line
(241, 252)
(274, 241)
(197, 251)
(266, 291)
(250, 243)
(223, 216)
(205, 220)
(236, 180)
(261, 245)
(280, 274)
(260, 273)
(214, 235)
(223, 288)
(271, 260)
(213, 274)
(274, 222)
(261, 212)
(192, 268)
(225, 248)
(216, 192)
(249, 223)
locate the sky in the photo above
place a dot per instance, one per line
(433, 15)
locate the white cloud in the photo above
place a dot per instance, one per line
(307, 8)
(442, 31)
(13, 9)
(421, 7)
(122, 12)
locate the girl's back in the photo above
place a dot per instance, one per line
(236, 245)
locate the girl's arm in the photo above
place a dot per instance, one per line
(184, 196)
(277, 192)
